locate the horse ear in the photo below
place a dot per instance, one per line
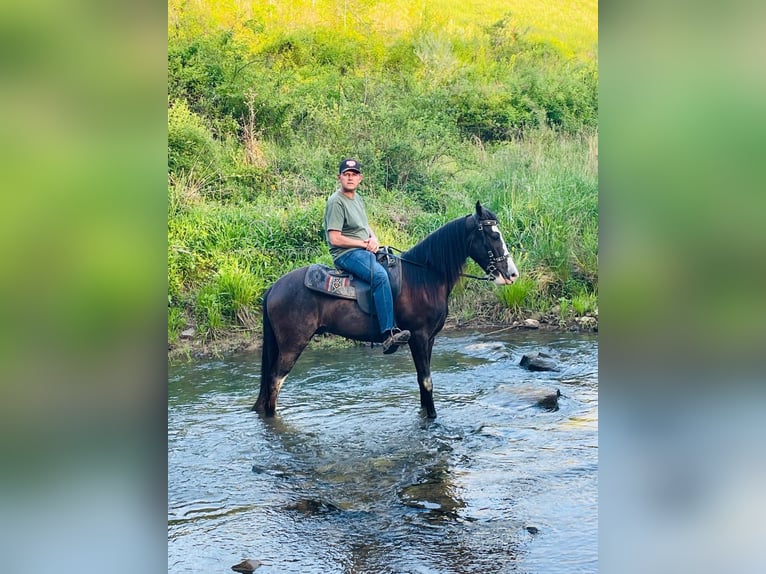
(478, 208)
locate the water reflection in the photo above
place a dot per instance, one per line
(348, 477)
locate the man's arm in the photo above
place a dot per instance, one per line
(337, 239)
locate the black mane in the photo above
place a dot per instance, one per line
(442, 252)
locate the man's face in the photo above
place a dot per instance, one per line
(349, 180)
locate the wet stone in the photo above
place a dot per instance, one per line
(538, 362)
(247, 566)
(550, 402)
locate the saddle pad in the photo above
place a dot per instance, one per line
(328, 280)
(338, 283)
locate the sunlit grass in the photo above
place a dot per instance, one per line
(570, 24)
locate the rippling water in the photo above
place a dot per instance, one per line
(349, 477)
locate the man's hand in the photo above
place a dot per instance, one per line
(372, 245)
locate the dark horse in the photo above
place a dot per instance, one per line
(292, 313)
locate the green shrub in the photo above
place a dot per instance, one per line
(191, 147)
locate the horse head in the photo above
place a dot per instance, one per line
(487, 247)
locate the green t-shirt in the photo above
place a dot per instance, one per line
(347, 216)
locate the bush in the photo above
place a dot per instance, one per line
(191, 147)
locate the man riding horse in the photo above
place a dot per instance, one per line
(353, 245)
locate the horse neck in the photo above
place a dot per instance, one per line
(443, 252)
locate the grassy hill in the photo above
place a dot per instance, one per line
(444, 102)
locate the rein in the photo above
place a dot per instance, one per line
(417, 264)
(491, 268)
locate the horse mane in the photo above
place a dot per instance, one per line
(442, 252)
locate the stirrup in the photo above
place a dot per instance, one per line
(397, 337)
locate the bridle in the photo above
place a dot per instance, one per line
(492, 270)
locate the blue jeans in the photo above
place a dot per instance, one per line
(363, 265)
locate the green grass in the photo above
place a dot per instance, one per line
(518, 295)
(584, 303)
(176, 323)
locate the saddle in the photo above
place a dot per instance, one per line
(339, 283)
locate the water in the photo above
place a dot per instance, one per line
(349, 477)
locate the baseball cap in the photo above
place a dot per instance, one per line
(349, 165)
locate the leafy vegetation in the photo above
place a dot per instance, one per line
(443, 104)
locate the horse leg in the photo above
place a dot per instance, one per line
(421, 354)
(272, 383)
(277, 359)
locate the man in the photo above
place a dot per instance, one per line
(353, 246)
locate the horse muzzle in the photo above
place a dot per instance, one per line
(505, 277)
(501, 280)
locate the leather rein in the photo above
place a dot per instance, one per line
(491, 272)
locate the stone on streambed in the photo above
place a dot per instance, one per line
(247, 566)
(538, 362)
(435, 497)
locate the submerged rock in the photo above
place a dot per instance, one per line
(538, 362)
(550, 402)
(312, 506)
(436, 497)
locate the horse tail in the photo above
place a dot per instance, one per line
(269, 354)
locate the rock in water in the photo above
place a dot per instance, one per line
(247, 566)
(550, 402)
(312, 506)
(538, 362)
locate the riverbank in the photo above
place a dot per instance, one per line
(189, 346)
